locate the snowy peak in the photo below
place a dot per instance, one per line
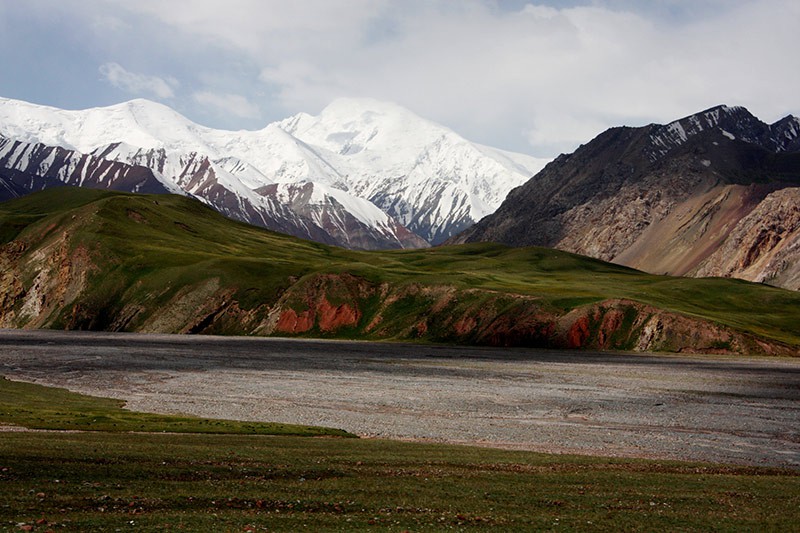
(349, 125)
(144, 124)
(734, 123)
(139, 123)
(354, 113)
(425, 175)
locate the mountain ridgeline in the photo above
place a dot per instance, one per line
(712, 194)
(74, 258)
(362, 174)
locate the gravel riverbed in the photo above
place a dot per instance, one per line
(707, 408)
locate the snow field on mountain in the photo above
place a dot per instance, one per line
(369, 156)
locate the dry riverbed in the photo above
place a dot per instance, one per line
(718, 409)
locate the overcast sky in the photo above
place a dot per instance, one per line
(533, 76)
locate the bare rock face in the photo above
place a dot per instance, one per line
(61, 273)
(713, 194)
(764, 245)
(624, 324)
(327, 302)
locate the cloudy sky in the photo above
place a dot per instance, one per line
(533, 76)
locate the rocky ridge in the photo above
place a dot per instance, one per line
(331, 305)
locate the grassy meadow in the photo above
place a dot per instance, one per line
(123, 478)
(95, 466)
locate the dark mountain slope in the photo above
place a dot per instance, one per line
(8, 188)
(665, 198)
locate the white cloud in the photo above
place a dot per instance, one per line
(231, 104)
(138, 84)
(109, 23)
(500, 73)
(268, 29)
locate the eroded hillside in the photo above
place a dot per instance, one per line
(78, 259)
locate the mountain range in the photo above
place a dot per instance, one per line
(362, 174)
(716, 193)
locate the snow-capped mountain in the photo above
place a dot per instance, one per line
(428, 177)
(26, 167)
(342, 216)
(357, 159)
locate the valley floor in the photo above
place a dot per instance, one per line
(704, 408)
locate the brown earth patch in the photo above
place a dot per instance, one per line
(629, 325)
(136, 216)
(292, 322)
(332, 317)
(465, 325)
(579, 333)
(611, 323)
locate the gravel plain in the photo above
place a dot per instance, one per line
(706, 408)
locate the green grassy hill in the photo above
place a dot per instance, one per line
(85, 259)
